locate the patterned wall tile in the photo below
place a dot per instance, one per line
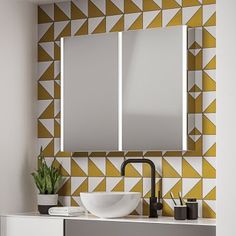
(193, 172)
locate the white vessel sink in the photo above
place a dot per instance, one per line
(110, 204)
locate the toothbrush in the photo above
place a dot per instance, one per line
(172, 197)
(180, 199)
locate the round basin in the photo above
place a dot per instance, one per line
(110, 204)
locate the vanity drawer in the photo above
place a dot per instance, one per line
(31, 226)
(104, 228)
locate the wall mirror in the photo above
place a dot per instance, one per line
(124, 91)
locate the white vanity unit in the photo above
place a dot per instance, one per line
(33, 224)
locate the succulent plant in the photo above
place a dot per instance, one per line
(47, 179)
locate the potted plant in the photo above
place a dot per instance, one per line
(47, 180)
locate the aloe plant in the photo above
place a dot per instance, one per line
(47, 179)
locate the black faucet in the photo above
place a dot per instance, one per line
(153, 205)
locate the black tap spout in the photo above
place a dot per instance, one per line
(153, 184)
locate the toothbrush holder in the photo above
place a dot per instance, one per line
(180, 212)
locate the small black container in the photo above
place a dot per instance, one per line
(180, 212)
(192, 209)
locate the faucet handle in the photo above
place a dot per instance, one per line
(159, 205)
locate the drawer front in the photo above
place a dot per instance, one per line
(31, 226)
(103, 228)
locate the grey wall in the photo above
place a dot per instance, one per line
(226, 117)
(18, 25)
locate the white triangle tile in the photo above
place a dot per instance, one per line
(93, 182)
(100, 162)
(138, 167)
(188, 184)
(211, 73)
(208, 185)
(65, 200)
(57, 146)
(49, 160)
(58, 27)
(208, 11)
(82, 162)
(42, 67)
(111, 21)
(42, 29)
(198, 35)
(65, 7)
(194, 51)
(191, 122)
(196, 163)
(167, 15)
(191, 79)
(211, 117)
(208, 98)
(111, 183)
(49, 125)
(48, 85)
(76, 25)
(211, 30)
(42, 105)
(158, 163)
(138, 3)
(93, 23)
(116, 161)
(48, 9)
(148, 17)
(208, 141)
(130, 19)
(188, 13)
(57, 106)
(198, 122)
(119, 4)
(168, 184)
(211, 160)
(195, 94)
(130, 183)
(77, 199)
(65, 163)
(43, 142)
(158, 2)
(82, 5)
(76, 182)
(211, 204)
(179, 2)
(63, 181)
(208, 54)
(57, 68)
(191, 36)
(49, 48)
(195, 137)
(198, 78)
(147, 185)
(101, 5)
(170, 203)
(176, 163)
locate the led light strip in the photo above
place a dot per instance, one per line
(120, 91)
(62, 96)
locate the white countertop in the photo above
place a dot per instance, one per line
(129, 219)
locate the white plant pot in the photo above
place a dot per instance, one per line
(46, 201)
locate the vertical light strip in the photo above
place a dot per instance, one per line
(120, 91)
(185, 77)
(62, 96)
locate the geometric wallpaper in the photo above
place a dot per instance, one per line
(193, 173)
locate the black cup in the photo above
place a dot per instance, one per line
(180, 212)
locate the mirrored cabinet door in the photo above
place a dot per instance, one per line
(89, 104)
(154, 107)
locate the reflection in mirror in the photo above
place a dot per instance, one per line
(89, 99)
(154, 108)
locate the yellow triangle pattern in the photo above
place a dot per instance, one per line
(195, 62)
